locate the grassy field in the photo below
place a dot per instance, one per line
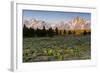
(57, 48)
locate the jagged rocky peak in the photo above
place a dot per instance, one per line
(79, 23)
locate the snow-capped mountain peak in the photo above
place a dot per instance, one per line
(74, 24)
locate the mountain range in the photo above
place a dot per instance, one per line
(74, 24)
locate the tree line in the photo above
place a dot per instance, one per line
(30, 32)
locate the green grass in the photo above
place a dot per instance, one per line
(56, 48)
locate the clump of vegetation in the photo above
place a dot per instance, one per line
(57, 48)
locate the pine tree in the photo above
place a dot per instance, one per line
(50, 32)
(44, 33)
(64, 32)
(37, 32)
(84, 33)
(31, 32)
(69, 32)
(56, 31)
(25, 31)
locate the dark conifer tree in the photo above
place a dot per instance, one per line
(44, 32)
(56, 31)
(31, 32)
(64, 32)
(69, 32)
(84, 33)
(50, 32)
(37, 32)
(25, 31)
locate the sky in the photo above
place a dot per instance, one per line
(53, 16)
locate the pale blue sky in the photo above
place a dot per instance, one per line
(54, 16)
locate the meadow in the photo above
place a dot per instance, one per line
(57, 48)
